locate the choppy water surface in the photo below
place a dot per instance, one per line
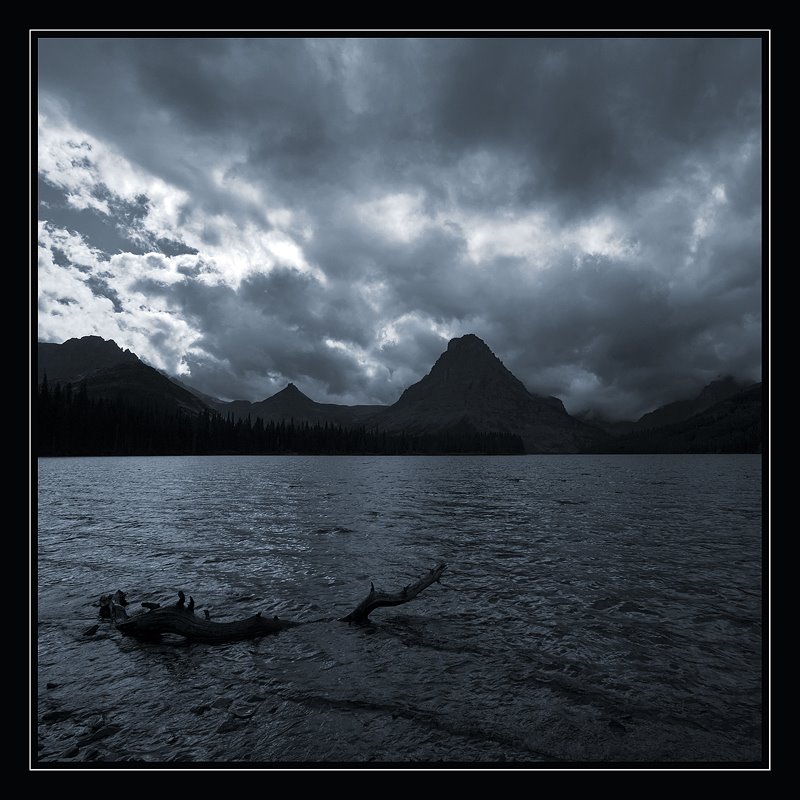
(594, 608)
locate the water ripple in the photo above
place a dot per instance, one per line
(595, 608)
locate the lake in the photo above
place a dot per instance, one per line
(594, 608)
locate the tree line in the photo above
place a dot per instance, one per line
(69, 422)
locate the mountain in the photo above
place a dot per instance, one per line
(470, 387)
(140, 385)
(671, 413)
(291, 404)
(75, 358)
(713, 393)
(468, 393)
(732, 425)
(111, 373)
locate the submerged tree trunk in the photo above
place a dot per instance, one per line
(378, 599)
(186, 623)
(181, 619)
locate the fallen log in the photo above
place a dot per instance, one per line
(380, 599)
(182, 620)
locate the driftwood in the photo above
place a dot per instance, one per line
(186, 623)
(379, 599)
(181, 619)
(108, 601)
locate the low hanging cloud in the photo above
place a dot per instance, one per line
(253, 211)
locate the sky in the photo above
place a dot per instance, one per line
(247, 212)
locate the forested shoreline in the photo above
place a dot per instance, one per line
(69, 422)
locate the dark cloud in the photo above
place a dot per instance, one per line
(271, 328)
(119, 230)
(101, 288)
(590, 207)
(99, 230)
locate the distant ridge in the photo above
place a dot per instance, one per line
(291, 404)
(714, 392)
(467, 392)
(732, 425)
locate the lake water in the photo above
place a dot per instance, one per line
(594, 608)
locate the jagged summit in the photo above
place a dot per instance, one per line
(108, 371)
(77, 358)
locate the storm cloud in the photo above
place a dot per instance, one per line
(248, 212)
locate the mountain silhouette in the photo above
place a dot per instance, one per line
(76, 358)
(469, 386)
(291, 404)
(467, 391)
(111, 373)
(714, 392)
(732, 425)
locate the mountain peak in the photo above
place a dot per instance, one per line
(470, 357)
(291, 389)
(107, 371)
(470, 386)
(289, 396)
(96, 343)
(467, 342)
(467, 370)
(76, 358)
